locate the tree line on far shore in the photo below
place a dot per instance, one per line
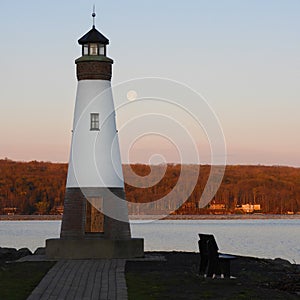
(39, 188)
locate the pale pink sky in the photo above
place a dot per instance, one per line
(242, 56)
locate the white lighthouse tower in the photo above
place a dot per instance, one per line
(95, 220)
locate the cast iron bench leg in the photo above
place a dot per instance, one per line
(225, 267)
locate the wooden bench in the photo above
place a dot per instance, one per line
(213, 263)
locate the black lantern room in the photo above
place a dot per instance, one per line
(93, 43)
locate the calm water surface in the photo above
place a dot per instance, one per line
(261, 238)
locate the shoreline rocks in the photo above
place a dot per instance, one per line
(10, 254)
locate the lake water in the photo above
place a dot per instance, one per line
(260, 238)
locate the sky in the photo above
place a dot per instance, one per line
(241, 56)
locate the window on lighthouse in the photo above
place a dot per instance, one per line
(93, 49)
(95, 121)
(102, 50)
(86, 49)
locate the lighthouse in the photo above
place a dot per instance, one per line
(95, 222)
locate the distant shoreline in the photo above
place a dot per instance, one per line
(151, 217)
(30, 217)
(218, 217)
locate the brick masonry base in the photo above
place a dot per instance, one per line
(75, 212)
(94, 248)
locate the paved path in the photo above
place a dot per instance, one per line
(83, 280)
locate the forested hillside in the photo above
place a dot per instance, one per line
(38, 188)
(32, 188)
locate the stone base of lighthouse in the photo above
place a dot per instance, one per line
(94, 248)
(95, 225)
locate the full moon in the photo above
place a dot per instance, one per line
(132, 95)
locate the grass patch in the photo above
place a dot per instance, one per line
(17, 280)
(145, 287)
(177, 278)
(161, 285)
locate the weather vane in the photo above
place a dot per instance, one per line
(94, 15)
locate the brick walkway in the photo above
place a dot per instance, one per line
(83, 279)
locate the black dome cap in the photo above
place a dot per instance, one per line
(93, 36)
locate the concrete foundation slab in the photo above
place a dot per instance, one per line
(94, 248)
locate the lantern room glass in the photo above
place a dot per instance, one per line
(93, 49)
(102, 50)
(86, 49)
